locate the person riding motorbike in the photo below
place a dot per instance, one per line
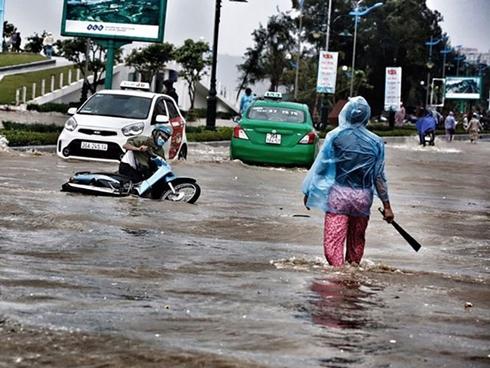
(137, 163)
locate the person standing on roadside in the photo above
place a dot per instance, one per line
(474, 127)
(246, 101)
(170, 90)
(450, 126)
(400, 116)
(342, 181)
(48, 43)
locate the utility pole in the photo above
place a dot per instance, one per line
(296, 79)
(324, 108)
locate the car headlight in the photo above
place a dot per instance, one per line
(71, 124)
(133, 129)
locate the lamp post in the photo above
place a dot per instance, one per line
(458, 59)
(430, 64)
(211, 101)
(324, 108)
(356, 13)
(444, 52)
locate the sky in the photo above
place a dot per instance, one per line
(466, 21)
(185, 19)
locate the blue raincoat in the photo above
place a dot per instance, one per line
(349, 167)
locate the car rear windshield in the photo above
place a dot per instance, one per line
(276, 114)
(121, 106)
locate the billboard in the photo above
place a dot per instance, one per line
(138, 20)
(393, 89)
(327, 72)
(463, 88)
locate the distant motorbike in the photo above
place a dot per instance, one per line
(163, 184)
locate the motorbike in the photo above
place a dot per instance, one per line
(163, 184)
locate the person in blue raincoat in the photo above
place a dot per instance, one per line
(426, 127)
(246, 101)
(342, 181)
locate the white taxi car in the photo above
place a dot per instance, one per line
(103, 124)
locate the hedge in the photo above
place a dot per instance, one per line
(39, 134)
(52, 107)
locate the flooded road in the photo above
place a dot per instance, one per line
(239, 279)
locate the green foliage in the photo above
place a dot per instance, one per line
(36, 127)
(151, 59)
(30, 134)
(190, 57)
(392, 35)
(25, 138)
(52, 107)
(10, 59)
(35, 43)
(193, 115)
(8, 29)
(77, 49)
(200, 134)
(274, 45)
(10, 83)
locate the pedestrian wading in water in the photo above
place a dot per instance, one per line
(342, 180)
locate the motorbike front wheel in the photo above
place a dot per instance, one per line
(184, 192)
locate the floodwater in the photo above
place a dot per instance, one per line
(239, 279)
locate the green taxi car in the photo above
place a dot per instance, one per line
(275, 132)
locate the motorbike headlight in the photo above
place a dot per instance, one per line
(133, 129)
(71, 124)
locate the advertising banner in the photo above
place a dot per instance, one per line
(463, 88)
(393, 88)
(139, 20)
(327, 72)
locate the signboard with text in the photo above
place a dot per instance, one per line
(464, 88)
(327, 72)
(138, 20)
(393, 88)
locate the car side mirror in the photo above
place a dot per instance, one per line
(161, 119)
(72, 111)
(237, 118)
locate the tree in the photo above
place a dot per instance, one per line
(271, 54)
(151, 59)
(8, 31)
(89, 58)
(35, 43)
(191, 56)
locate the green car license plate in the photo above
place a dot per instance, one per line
(273, 138)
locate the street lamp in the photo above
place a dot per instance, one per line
(445, 52)
(356, 13)
(458, 59)
(211, 103)
(430, 64)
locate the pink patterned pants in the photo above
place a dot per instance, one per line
(339, 227)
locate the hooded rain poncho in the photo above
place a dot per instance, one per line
(349, 167)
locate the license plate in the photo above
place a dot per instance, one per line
(94, 146)
(273, 138)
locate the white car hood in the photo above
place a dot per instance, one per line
(103, 122)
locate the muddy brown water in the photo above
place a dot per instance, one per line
(239, 280)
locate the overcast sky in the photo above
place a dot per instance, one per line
(466, 21)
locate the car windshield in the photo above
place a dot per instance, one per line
(276, 114)
(121, 106)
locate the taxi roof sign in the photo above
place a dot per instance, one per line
(143, 86)
(273, 95)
